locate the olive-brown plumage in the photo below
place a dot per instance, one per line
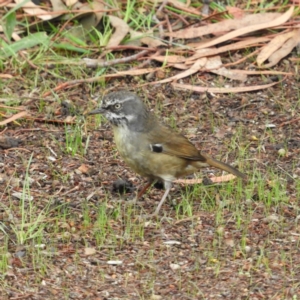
(149, 147)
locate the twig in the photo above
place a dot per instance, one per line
(242, 59)
(70, 191)
(169, 28)
(289, 122)
(17, 148)
(148, 61)
(49, 121)
(3, 130)
(158, 12)
(179, 18)
(96, 63)
(130, 47)
(37, 129)
(160, 26)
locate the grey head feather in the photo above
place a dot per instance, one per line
(132, 112)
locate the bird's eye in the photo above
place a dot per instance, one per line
(117, 106)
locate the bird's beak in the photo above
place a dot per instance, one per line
(96, 111)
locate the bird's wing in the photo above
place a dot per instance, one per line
(166, 140)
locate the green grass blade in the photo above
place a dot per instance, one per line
(25, 43)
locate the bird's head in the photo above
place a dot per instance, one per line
(123, 108)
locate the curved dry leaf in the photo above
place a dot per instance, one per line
(234, 46)
(226, 25)
(272, 46)
(170, 59)
(232, 74)
(70, 2)
(121, 30)
(6, 76)
(14, 117)
(214, 65)
(180, 66)
(285, 49)
(236, 12)
(278, 21)
(200, 63)
(34, 10)
(200, 89)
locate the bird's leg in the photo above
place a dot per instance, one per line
(141, 193)
(143, 190)
(168, 186)
(163, 199)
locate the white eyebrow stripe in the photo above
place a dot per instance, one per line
(117, 99)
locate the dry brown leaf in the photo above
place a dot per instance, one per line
(200, 63)
(272, 46)
(14, 117)
(278, 21)
(285, 45)
(84, 169)
(10, 107)
(236, 12)
(234, 46)
(180, 66)
(30, 8)
(121, 30)
(214, 65)
(226, 25)
(170, 59)
(70, 2)
(6, 76)
(232, 74)
(89, 251)
(200, 89)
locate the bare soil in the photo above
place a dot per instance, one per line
(93, 245)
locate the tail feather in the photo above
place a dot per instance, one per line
(220, 165)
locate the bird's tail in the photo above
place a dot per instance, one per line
(220, 165)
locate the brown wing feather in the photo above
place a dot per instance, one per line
(174, 143)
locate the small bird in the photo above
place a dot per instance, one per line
(151, 148)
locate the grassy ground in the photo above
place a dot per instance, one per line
(66, 234)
